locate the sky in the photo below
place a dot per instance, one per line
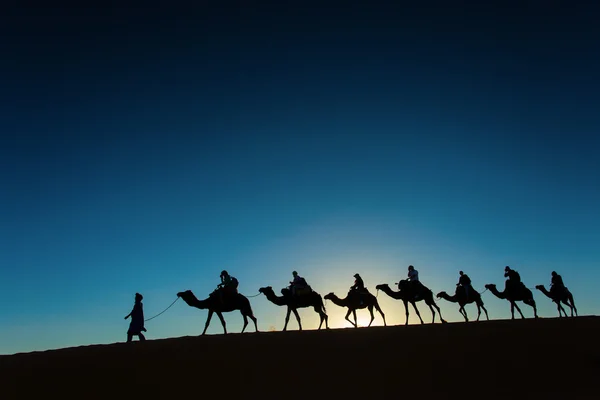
(145, 150)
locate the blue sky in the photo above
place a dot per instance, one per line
(145, 151)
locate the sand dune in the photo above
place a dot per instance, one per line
(545, 358)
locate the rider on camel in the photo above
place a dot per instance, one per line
(413, 278)
(465, 282)
(358, 287)
(514, 279)
(227, 285)
(556, 285)
(298, 283)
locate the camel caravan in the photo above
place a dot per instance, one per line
(226, 298)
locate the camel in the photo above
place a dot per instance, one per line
(459, 297)
(406, 296)
(313, 299)
(524, 295)
(213, 303)
(356, 302)
(565, 297)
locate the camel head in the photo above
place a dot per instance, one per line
(329, 296)
(383, 286)
(266, 290)
(539, 287)
(183, 293)
(440, 294)
(490, 286)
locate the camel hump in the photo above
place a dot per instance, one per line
(304, 291)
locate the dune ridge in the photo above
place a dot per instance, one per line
(546, 358)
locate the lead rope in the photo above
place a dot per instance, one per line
(162, 310)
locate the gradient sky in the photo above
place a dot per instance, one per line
(145, 150)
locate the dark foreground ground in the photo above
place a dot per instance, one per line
(545, 359)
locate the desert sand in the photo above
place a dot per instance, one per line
(544, 358)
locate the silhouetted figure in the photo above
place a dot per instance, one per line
(556, 284)
(215, 304)
(311, 299)
(464, 282)
(359, 284)
(367, 301)
(560, 296)
(514, 279)
(462, 300)
(413, 274)
(413, 279)
(298, 285)
(228, 285)
(407, 295)
(136, 326)
(357, 289)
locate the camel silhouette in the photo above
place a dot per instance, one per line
(213, 303)
(520, 294)
(460, 298)
(353, 303)
(407, 297)
(565, 297)
(312, 299)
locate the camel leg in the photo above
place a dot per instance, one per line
(487, 317)
(287, 319)
(297, 318)
(220, 315)
(479, 307)
(406, 309)
(372, 316)
(348, 319)
(572, 305)
(560, 309)
(380, 312)
(432, 313)
(248, 313)
(464, 313)
(210, 314)
(531, 302)
(439, 312)
(326, 317)
(322, 316)
(417, 311)
(355, 320)
(518, 309)
(253, 318)
(565, 302)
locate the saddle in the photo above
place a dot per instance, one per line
(358, 295)
(461, 292)
(413, 288)
(304, 291)
(225, 293)
(516, 288)
(558, 291)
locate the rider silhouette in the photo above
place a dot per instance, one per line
(556, 285)
(514, 279)
(465, 282)
(298, 283)
(227, 285)
(358, 287)
(413, 278)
